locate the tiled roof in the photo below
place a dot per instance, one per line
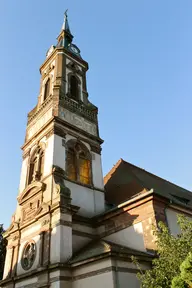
(126, 180)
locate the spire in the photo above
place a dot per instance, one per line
(65, 26)
(65, 37)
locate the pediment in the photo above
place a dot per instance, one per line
(31, 191)
(13, 227)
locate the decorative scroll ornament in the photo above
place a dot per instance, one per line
(29, 254)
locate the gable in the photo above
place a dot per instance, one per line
(125, 181)
(121, 184)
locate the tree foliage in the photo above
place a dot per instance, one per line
(178, 282)
(186, 269)
(185, 277)
(3, 244)
(171, 252)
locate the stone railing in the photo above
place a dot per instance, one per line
(79, 108)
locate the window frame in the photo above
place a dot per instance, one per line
(47, 88)
(78, 148)
(78, 96)
(37, 161)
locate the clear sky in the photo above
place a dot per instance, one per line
(140, 58)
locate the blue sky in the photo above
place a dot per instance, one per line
(139, 54)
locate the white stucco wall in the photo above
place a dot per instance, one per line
(91, 202)
(97, 171)
(126, 280)
(61, 244)
(29, 281)
(59, 152)
(49, 155)
(30, 230)
(131, 237)
(102, 281)
(23, 175)
(59, 284)
(172, 221)
(171, 216)
(79, 242)
(7, 266)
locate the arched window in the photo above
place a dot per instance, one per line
(36, 166)
(32, 169)
(41, 164)
(74, 89)
(78, 163)
(47, 89)
(84, 168)
(71, 164)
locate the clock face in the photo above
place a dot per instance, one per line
(50, 50)
(74, 49)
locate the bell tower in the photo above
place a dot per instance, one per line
(61, 173)
(62, 130)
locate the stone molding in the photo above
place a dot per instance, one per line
(62, 223)
(39, 110)
(96, 148)
(35, 186)
(37, 134)
(57, 131)
(78, 219)
(84, 234)
(78, 130)
(79, 108)
(63, 129)
(26, 154)
(69, 268)
(66, 52)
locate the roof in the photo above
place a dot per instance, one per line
(65, 25)
(103, 247)
(126, 180)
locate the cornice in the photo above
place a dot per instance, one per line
(186, 210)
(40, 109)
(84, 234)
(122, 208)
(65, 52)
(38, 133)
(70, 267)
(76, 129)
(65, 124)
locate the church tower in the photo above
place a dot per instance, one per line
(61, 173)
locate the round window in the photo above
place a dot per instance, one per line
(28, 257)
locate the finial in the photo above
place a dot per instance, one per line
(65, 25)
(65, 14)
(65, 37)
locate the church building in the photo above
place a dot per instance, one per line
(73, 227)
